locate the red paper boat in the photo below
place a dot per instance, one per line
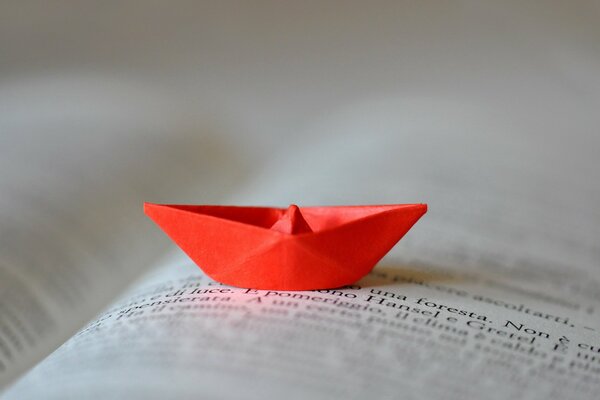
(286, 249)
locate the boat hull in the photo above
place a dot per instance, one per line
(252, 256)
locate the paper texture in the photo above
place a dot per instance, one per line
(286, 249)
(494, 293)
(70, 220)
(419, 333)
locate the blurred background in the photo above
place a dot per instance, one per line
(104, 105)
(204, 102)
(257, 74)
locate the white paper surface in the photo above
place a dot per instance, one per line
(494, 291)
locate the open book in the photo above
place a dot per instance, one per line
(495, 293)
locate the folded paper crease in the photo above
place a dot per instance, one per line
(298, 248)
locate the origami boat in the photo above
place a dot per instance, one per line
(298, 248)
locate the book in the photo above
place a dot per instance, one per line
(493, 294)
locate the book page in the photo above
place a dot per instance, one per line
(73, 180)
(494, 293)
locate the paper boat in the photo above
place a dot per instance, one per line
(298, 248)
